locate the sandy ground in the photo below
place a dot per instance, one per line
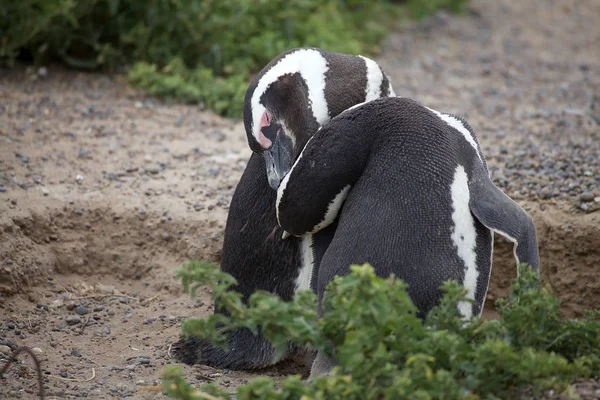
(104, 192)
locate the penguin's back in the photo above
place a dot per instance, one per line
(408, 213)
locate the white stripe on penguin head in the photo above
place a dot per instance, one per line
(374, 79)
(312, 66)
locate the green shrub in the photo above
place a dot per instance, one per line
(184, 47)
(386, 352)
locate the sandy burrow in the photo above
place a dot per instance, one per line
(106, 186)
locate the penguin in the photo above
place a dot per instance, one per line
(285, 104)
(411, 194)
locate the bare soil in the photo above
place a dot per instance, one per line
(104, 192)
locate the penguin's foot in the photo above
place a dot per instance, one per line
(246, 352)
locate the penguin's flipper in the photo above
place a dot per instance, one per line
(498, 212)
(311, 195)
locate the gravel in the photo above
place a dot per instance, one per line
(531, 98)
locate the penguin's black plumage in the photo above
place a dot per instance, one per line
(414, 198)
(285, 104)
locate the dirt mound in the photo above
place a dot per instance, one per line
(570, 257)
(96, 242)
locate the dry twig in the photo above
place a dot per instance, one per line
(38, 366)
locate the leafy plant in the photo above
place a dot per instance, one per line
(385, 352)
(194, 50)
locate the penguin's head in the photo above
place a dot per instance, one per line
(278, 114)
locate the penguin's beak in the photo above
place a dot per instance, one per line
(278, 157)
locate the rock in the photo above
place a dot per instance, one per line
(586, 197)
(83, 153)
(5, 350)
(98, 308)
(73, 320)
(153, 170)
(75, 353)
(10, 325)
(37, 350)
(143, 360)
(81, 310)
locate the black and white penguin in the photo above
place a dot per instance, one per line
(285, 104)
(414, 198)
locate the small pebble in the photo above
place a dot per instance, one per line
(98, 308)
(5, 350)
(143, 361)
(75, 353)
(81, 310)
(42, 307)
(10, 325)
(584, 207)
(37, 350)
(153, 170)
(63, 374)
(586, 197)
(73, 320)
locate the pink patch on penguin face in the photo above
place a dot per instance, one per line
(265, 120)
